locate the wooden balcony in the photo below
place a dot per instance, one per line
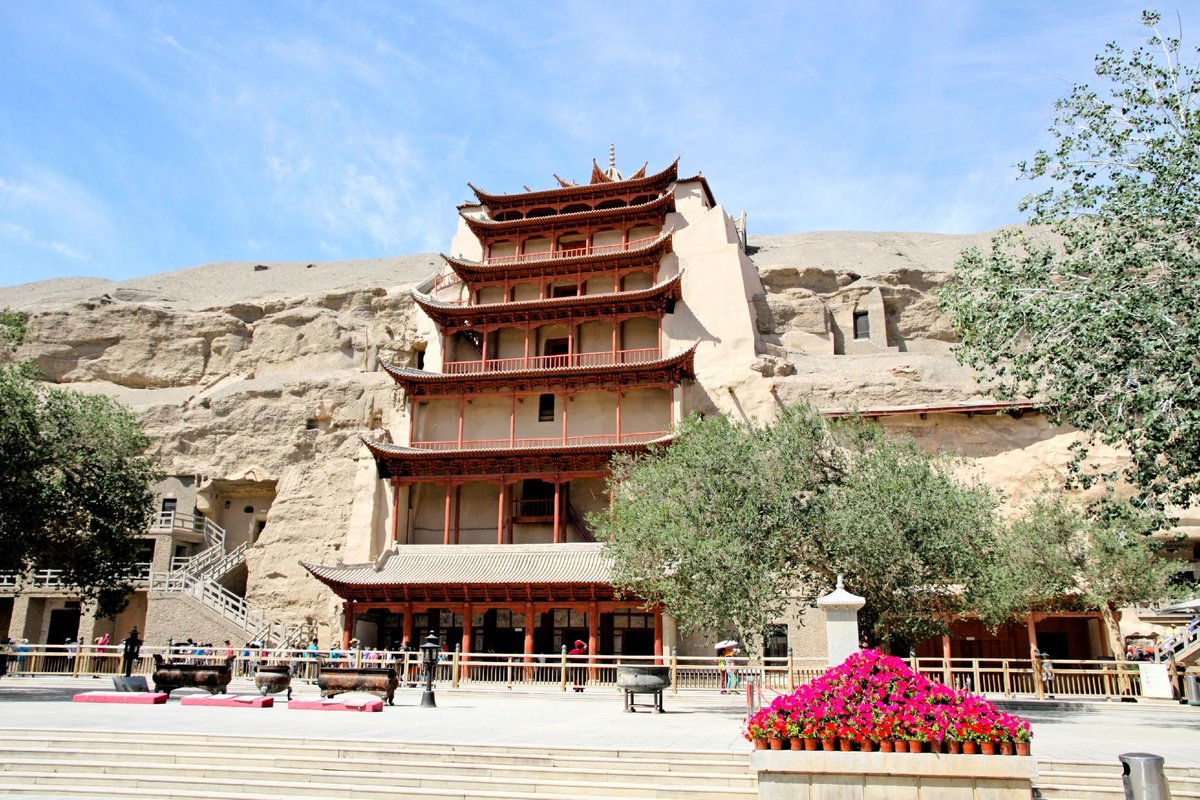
(572, 252)
(601, 358)
(534, 444)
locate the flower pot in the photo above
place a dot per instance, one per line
(866, 745)
(1006, 748)
(987, 748)
(935, 746)
(760, 744)
(970, 748)
(900, 746)
(953, 747)
(1022, 748)
(827, 744)
(796, 744)
(915, 746)
(885, 746)
(811, 744)
(776, 744)
(845, 744)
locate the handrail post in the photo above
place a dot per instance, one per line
(510, 673)
(674, 670)
(562, 670)
(1007, 679)
(454, 670)
(791, 668)
(978, 687)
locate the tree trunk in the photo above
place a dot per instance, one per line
(1112, 632)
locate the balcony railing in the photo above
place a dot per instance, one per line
(52, 579)
(557, 441)
(601, 358)
(571, 252)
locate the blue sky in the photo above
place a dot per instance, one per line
(142, 137)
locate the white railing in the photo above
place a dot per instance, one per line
(214, 534)
(52, 579)
(214, 596)
(212, 563)
(557, 441)
(1178, 644)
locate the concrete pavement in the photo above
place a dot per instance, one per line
(695, 721)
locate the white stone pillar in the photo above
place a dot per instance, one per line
(841, 623)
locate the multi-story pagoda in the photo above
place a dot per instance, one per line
(562, 329)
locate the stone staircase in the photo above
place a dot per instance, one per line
(199, 577)
(1080, 780)
(108, 764)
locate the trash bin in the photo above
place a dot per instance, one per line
(1143, 777)
(1191, 688)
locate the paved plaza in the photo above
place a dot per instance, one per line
(695, 721)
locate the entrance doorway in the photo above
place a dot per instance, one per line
(64, 624)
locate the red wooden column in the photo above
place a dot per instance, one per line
(395, 509)
(658, 636)
(408, 624)
(347, 623)
(557, 507)
(467, 630)
(457, 512)
(529, 621)
(593, 613)
(446, 521)
(500, 512)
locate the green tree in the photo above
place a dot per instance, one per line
(75, 481)
(733, 521)
(1095, 313)
(1055, 554)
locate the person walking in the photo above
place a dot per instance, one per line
(580, 673)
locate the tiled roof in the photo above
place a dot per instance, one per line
(536, 266)
(567, 193)
(474, 564)
(654, 209)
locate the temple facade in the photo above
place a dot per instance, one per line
(566, 326)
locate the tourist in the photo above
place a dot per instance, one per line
(580, 673)
(72, 652)
(731, 677)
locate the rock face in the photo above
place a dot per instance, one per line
(237, 367)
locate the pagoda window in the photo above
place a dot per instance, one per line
(614, 203)
(642, 198)
(537, 500)
(507, 215)
(576, 208)
(564, 290)
(546, 408)
(539, 212)
(575, 245)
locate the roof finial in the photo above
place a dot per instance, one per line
(612, 155)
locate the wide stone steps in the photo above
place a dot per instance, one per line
(1080, 780)
(123, 764)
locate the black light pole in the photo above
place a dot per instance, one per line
(429, 657)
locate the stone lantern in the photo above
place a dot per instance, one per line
(841, 623)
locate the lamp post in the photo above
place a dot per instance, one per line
(429, 657)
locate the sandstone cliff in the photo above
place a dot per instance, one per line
(272, 368)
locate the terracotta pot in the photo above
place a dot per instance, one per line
(915, 746)
(760, 744)
(866, 745)
(953, 746)
(1006, 748)
(935, 746)
(812, 744)
(796, 744)
(827, 744)
(987, 748)
(970, 748)
(900, 745)
(845, 744)
(776, 744)
(1022, 748)
(885, 746)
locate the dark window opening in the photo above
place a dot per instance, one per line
(564, 291)
(775, 643)
(536, 501)
(169, 504)
(248, 510)
(145, 551)
(546, 408)
(862, 325)
(420, 359)
(670, 308)
(310, 425)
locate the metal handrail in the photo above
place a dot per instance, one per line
(214, 534)
(52, 579)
